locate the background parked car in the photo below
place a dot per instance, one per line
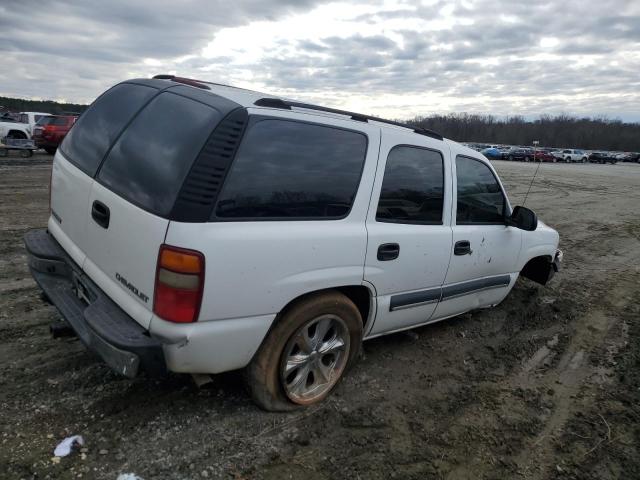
(51, 130)
(520, 154)
(602, 157)
(543, 156)
(13, 129)
(492, 153)
(573, 155)
(628, 157)
(31, 118)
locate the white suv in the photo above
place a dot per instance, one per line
(201, 228)
(571, 155)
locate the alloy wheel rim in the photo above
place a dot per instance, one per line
(314, 358)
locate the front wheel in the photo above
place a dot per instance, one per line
(306, 353)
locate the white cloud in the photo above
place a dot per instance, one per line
(392, 58)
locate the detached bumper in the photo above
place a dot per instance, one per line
(101, 325)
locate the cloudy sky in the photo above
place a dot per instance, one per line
(391, 58)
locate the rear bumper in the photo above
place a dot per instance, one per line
(101, 325)
(42, 143)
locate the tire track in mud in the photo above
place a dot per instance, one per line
(571, 378)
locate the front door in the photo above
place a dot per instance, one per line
(485, 251)
(409, 233)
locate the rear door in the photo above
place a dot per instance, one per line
(78, 159)
(409, 232)
(134, 192)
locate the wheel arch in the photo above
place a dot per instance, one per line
(361, 295)
(16, 134)
(537, 269)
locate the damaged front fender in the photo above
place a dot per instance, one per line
(542, 269)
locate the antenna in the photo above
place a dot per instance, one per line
(535, 144)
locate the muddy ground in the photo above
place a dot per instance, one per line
(546, 385)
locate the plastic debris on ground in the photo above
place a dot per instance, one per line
(65, 446)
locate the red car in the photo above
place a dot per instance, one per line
(50, 130)
(542, 156)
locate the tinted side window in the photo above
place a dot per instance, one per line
(288, 169)
(86, 144)
(412, 188)
(480, 199)
(149, 162)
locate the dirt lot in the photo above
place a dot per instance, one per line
(547, 385)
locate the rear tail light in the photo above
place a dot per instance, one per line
(179, 284)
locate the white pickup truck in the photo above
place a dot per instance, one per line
(23, 127)
(14, 129)
(201, 228)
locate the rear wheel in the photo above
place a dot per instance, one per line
(50, 150)
(306, 353)
(526, 159)
(26, 153)
(511, 158)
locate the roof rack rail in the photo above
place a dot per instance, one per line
(287, 104)
(186, 81)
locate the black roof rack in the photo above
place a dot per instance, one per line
(286, 104)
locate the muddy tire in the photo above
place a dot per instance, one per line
(306, 352)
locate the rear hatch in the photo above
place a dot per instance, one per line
(135, 146)
(40, 125)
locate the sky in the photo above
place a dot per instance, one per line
(395, 58)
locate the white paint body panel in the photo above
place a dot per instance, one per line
(129, 247)
(70, 191)
(210, 347)
(256, 268)
(424, 249)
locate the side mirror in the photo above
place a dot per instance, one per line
(523, 218)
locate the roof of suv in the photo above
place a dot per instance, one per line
(250, 98)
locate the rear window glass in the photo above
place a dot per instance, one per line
(87, 143)
(58, 121)
(290, 170)
(45, 121)
(148, 163)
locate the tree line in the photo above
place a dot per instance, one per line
(551, 131)
(559, 131)
(45, 106)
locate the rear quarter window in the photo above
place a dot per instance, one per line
(293, 170)
(88, 142)
(148, 163)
